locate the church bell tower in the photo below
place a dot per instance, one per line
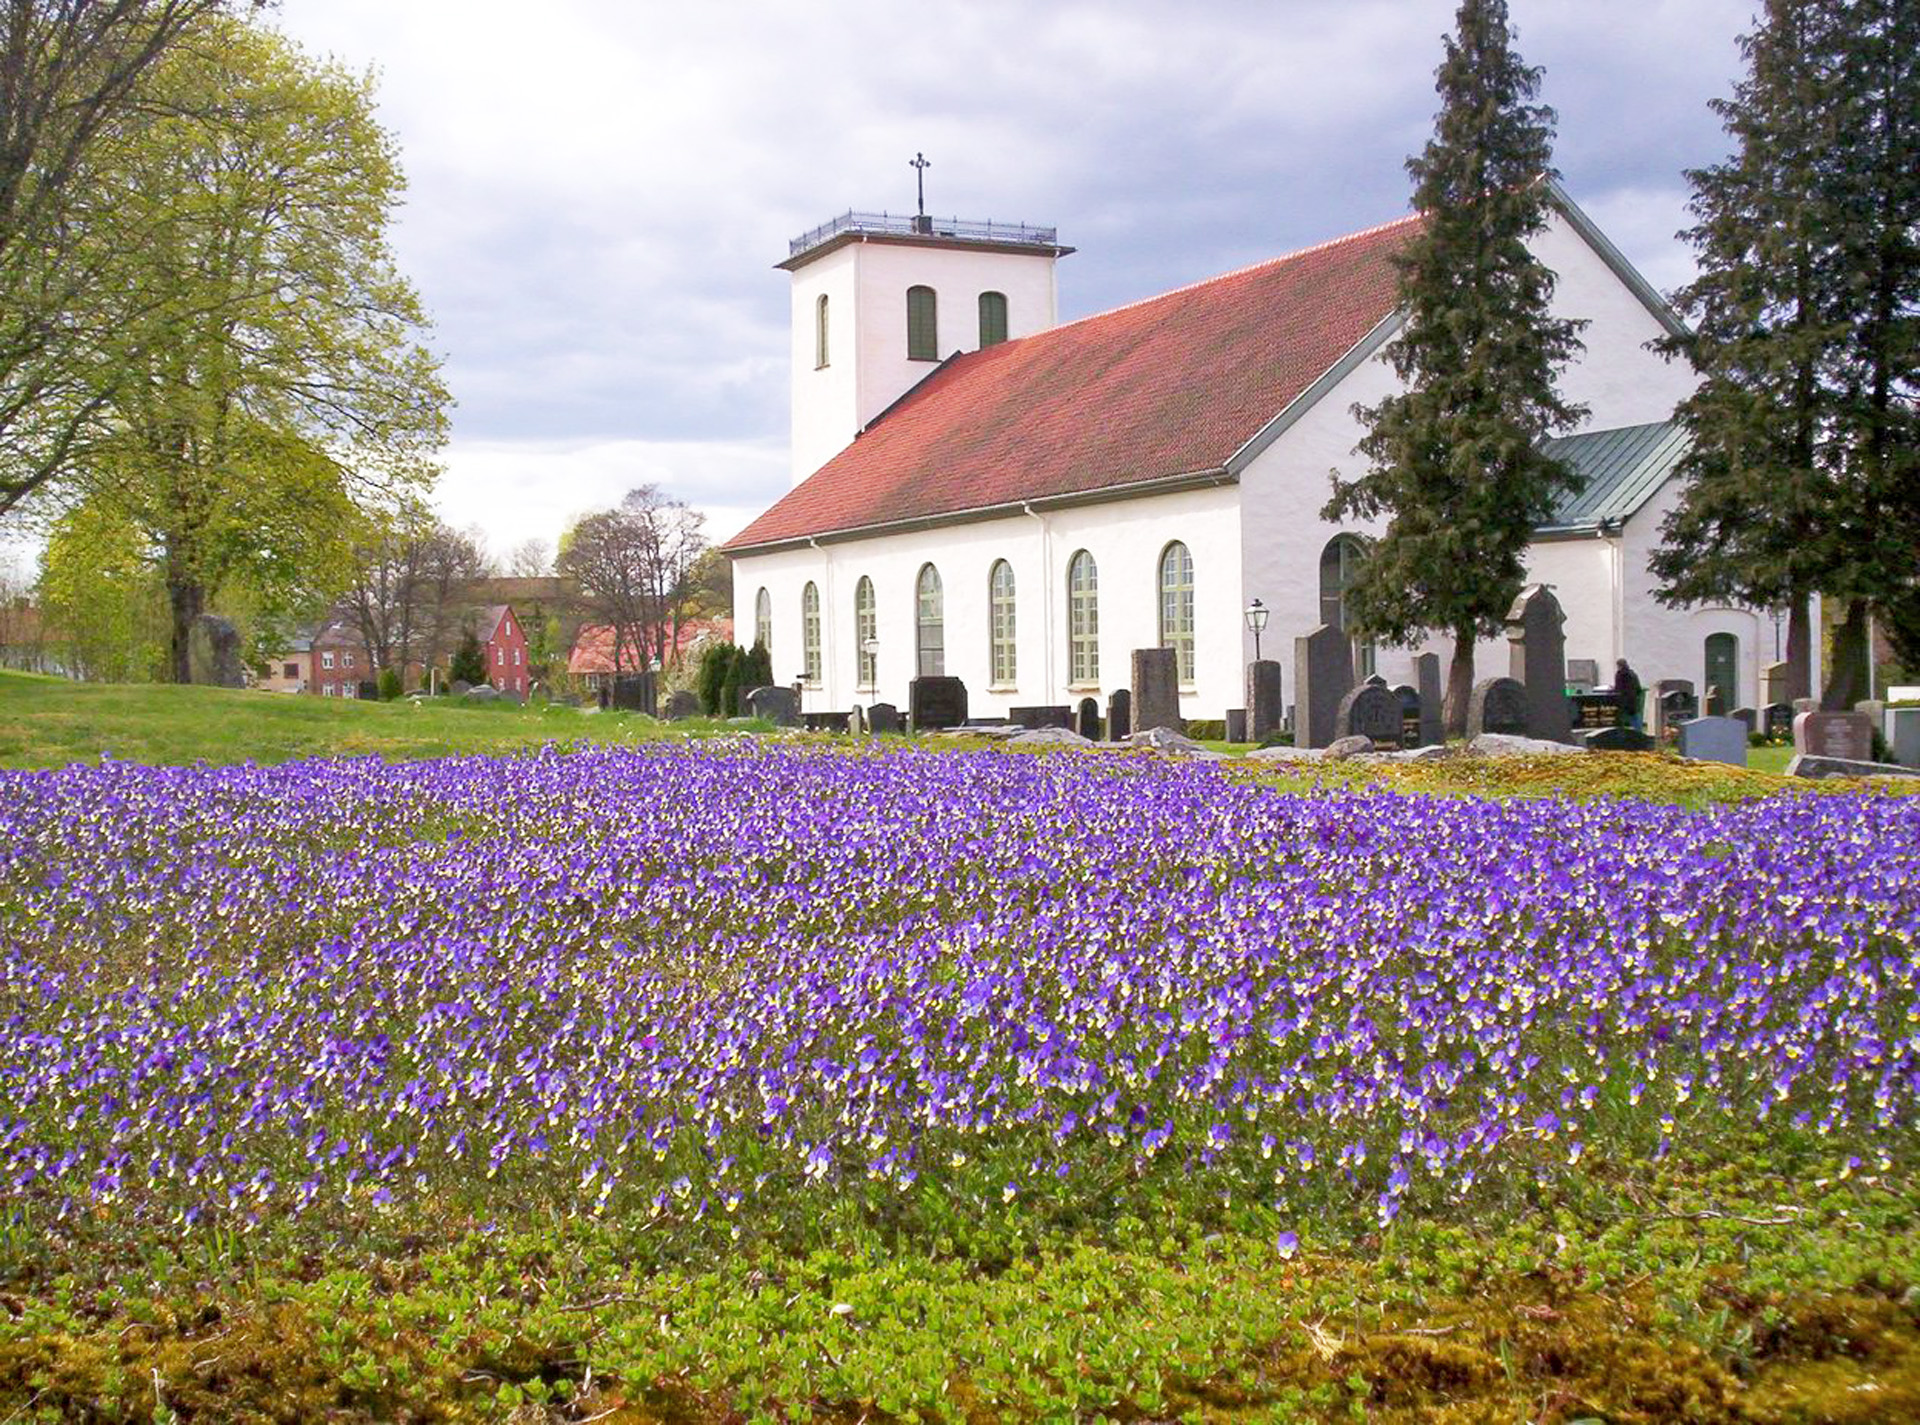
(881, 299)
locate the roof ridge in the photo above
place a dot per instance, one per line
(1264, 262)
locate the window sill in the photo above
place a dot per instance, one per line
(1003, 688)
(929, 359)
(1083, 687)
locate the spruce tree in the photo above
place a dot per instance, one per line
(1801, 475)
(1455, 459)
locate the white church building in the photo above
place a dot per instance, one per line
(984, 492)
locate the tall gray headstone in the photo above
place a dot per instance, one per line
(1538, 658)
(1119, 715)
(1372, 711)
(1903, 735)
(213, 652)
(1236, 724)
(774, 703)
(1322, 676)
(1673, 704)
(883, 717)
(1426, 677)
(857, 720)
(1265, 708)
(682, 705)
(1498, 705)
(1776, 682)
(1714, 739)
(1409, 699)
(1156, 689)
(1087, 719)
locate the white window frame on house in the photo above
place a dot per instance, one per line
(1176, 607)
(923, 323)
(326, 659)
(820, 351)
(763, 619)
(810, 632)
(929, 624)
(993, 319)
(1002, 651)
(1083, 621)
(1343, 554)
(866, 625)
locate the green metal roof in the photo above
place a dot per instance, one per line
(1621, 468)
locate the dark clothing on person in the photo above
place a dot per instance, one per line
(1627, 693)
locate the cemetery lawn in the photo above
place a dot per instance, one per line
(712, 1082)
(50, 722)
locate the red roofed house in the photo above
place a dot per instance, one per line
(504, 643)
(983, 493)
(592, 656)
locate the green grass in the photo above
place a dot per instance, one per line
(50, 722)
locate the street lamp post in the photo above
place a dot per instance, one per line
(1256, 620)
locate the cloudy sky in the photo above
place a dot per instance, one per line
(599, 188)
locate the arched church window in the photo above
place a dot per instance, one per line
(866, 627)
(810, 631)
(1000, 622)
(1339, 565)
(930, 624)
(993, 318)
(763, 619)
(923, 325)
(1723, 667)
(820, 332)
(1083, 620)
(1176, 607)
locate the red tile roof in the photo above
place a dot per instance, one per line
(1173, 385)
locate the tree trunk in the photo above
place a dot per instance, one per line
(186, 601)
(1459, 682)
(1847, 677)
(1799, 647)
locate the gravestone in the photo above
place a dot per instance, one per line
(936, 703)
(1903, 735)
(857, 720)
(1371, 711)
(368, 691)
(682, 705)
(1236, 724)
(1845, 736)
(1716, 700)
(1714, 739)
(213, 653)
(1264, 706)
(460, 687)
(827, 721)
(633, 692)
(776, 704)
(1804, 765)
(1119, 715)
(1775, 682)
(1499, 705)
(883, 718)
(1087, 719)
(1373, 680)
(1322, 676)
(1776, 719)
(485, 693)
(1616, 739)
(1409, 697)
(1537, 658)
(1156, 689)
(1426, 677)
(1673, 704)
(1583, 674)
(1051, 715)
(1748, 717)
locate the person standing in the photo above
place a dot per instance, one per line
(1627, 693)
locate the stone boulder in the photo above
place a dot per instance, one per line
(1048, 737)
(1502, 744)
(1165, 739)
(1287, 754)
(485, 693)
(1342, 748)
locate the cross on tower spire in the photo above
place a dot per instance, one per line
(920, 163)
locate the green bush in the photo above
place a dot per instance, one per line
(389, 684)
(1207, 729)
(469, 663)
(711, 682)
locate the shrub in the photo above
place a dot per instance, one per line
(389, 684)
(469, 663)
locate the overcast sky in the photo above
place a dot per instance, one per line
(598, 189)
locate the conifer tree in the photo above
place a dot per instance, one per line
(1455, 458)
(1801, 475)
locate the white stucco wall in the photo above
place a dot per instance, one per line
(1126, 539)
(866, 286)
(1622, 383)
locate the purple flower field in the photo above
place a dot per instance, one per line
(711, 983)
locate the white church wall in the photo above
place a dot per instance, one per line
(1125, 538)
(826, 399)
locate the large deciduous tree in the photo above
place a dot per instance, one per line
(1455, 460)
(72, 86)
(631, 565)
(276, 381)
(1801, 477)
